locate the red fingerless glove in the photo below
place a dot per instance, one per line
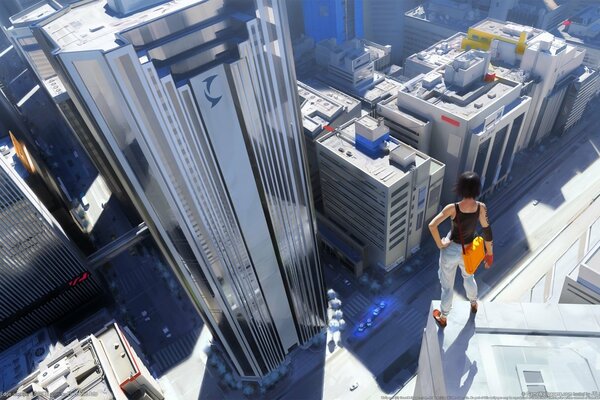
(489, 259)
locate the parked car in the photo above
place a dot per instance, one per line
(376, 311)
(361, 327)
(382, 304)
(369, 322)
(536, 202)
(145, 315)
(353, 386)
(166, 332)
(347, 282)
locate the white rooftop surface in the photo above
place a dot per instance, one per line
(507, 30)
(315, 104)
(511, 348)
(488, 93)
(90, 27)
(34, 13)
(381, 168)
(440, 53)
(381, 89)
(585, 27)
(335, 95)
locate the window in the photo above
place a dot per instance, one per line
(422, 197)
(420, 220)
(434, 196)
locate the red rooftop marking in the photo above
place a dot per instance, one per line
(450, 121)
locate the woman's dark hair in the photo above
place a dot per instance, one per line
(468, 185)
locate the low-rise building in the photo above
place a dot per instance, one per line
(581, 30)
(379, 189)
(322, 108)
(437, 55)
(476, 118)
(102, 365)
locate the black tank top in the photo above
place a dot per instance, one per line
(468, 225)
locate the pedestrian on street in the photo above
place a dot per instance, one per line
(469, 211)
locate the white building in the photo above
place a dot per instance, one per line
(582, 285)
(323, 109)
(437, 55)
(511, 350)
(347, 66)
(102, 365)
(193, 106)
(546, 61)
(474, 119)
(381, 190)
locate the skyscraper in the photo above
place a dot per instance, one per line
(339, 19)
(194, 105)
(42, 275)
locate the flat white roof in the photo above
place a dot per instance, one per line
(507, 349)
(342, 147)
(88, 26)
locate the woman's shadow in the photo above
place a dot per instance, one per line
(456, 363)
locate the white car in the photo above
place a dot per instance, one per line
(353, 386)
(166, 332)
(536, 202)
(145, 315)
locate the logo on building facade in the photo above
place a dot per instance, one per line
(207, 94)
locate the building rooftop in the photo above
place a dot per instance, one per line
(88, 25)
(101, 364)
(508, 350)
(342, 145)
(36, 12)
(583, 28)
(464, 101)
(507, 30)
(384, 88)
(440, 53)
(332, 94)
(316, 105)
(22, 358)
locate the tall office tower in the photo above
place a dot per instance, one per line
(379, 189)
(42, 274)
(338, 19)
(194, 104)
(65, 114)
(543, 14)
(475, 118)
(384, 23)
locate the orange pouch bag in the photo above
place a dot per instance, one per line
(474, 252)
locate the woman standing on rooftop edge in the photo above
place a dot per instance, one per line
(469, 211)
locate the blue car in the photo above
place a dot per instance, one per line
(382, 304)
(361, 327)
(376, 311)
(369, 322)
